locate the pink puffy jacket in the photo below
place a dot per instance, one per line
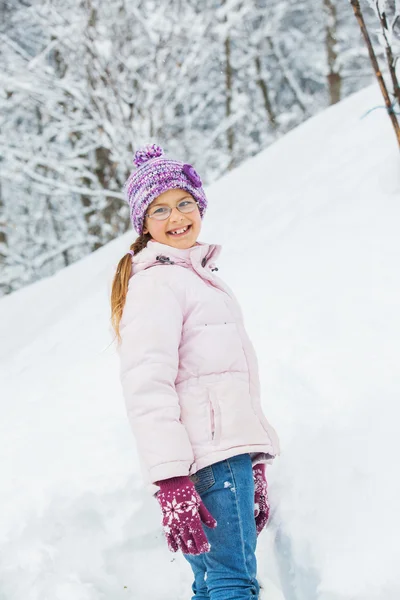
(188, 370)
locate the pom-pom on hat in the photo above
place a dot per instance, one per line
(154, 175)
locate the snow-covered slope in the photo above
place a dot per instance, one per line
(309, 230)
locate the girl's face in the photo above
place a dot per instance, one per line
(161, 231)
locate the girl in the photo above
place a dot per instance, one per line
(190, 381)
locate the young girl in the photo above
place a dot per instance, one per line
(190, 380)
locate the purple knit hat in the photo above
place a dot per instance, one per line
(157, 174)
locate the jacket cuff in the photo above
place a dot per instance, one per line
(173, 483)
(169, 470)
(258, 458)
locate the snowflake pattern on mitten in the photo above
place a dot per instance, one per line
(183, 514)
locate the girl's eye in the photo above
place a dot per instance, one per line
(187, 202)
(160, 211)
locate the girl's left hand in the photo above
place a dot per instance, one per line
(261, 502)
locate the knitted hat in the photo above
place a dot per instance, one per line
(154, 175)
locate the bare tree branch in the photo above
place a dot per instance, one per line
(360, 19)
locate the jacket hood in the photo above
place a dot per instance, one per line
(156, 253)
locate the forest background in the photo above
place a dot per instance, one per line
(84, 83)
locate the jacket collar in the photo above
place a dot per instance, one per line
(154, 253)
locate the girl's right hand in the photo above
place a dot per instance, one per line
(261, 502)
(183, 513)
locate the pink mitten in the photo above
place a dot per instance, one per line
(261, 502)
(183, 511)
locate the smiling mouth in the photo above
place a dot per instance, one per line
(179, 232)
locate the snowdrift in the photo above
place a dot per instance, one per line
(309, 230)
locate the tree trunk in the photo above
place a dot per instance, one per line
(5, 286)
(3, 234)
(228, 96)
(389, 53)
(264, 90)
(334, 77)
(359, 16)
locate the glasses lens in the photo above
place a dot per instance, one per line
(160, 213)
(186, 206)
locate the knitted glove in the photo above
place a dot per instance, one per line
(261, 502)
(183, 512)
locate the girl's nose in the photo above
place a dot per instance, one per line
(175, 215)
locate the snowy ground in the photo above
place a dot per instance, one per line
(310, 239)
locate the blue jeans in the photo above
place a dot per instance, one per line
(228, 571)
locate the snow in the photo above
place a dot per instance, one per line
(309, 229)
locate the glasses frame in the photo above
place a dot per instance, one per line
(171, 209)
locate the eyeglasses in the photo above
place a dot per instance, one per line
(162, 212)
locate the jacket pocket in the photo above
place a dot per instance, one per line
(235, 421)
(203, 479)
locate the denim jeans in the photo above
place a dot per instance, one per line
(228, 571)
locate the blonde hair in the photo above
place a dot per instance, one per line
(120, 282)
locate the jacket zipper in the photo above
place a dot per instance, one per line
(212, 420)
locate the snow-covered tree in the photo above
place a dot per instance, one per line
(388, 13)
(85, 82)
